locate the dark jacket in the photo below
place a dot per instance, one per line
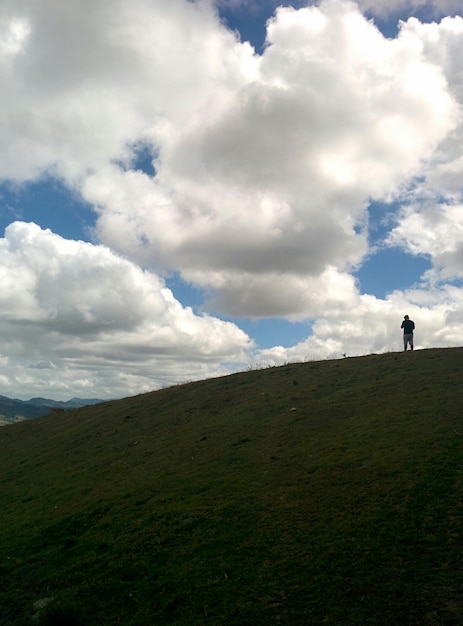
(408, 326)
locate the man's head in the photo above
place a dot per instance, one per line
(405, 317)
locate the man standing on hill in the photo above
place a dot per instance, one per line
(409, 326)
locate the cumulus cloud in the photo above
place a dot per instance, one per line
(92, 321)
(436, 231)
(285, 295)
(80, 83)
(385, 8)
(272, 183)
(260, 160)
(429, 223)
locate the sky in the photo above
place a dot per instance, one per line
(192, 188)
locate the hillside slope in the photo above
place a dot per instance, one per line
(318, 493)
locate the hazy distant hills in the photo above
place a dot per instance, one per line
(14, 410)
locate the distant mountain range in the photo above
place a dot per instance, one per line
(13, 410)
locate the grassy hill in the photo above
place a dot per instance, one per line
(318, 493)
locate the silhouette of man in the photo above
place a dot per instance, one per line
(409, 326)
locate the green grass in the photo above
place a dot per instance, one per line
(318, 493)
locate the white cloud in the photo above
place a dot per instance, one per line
(283, 295)
(436, 231)
(98, 321)
(273, 180)
(236, 4)
(386, 8)
(92, 77)
(431, 223)
(13, 33)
